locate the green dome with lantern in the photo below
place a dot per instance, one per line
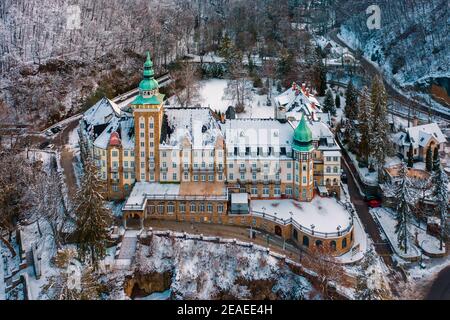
(303, 137)
(148, 83)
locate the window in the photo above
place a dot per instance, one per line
(277, 191)
(115, 154)
(230, 165)
(266, 191)
(231, 176)
(125, 153)
(142, 135)
(328, 169)
(186, 176)
(164, 176)
(304, 180)
(174, 165)
(174, 176)
(115, 188)
(142, 165)
(125, 175)
(115, 164)
(344, 243)
(242, 176)
(295, 234)
(305, 241)
(254, 191)
(254, 176)
(220, 208)
(289, 191)
(142, 154)
(333, 245)
(335, 169)
(211, 177)
(203, 178)
(319, 243)
(151, 125)
(289, 165)
(193, 207)
(164, 164)
(161, 208)
(202, 207)
(164, 154)
(142, 126)
(125, 164)
(142, 144)
(220, 177)
(289, 177)
(182, 207)
(210, 207)
(196, 177)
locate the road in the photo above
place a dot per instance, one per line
(370, 226)
(440, 289)
(392, 92)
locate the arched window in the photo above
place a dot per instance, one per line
(305, 241)
(333, 245)
(319, 243)
(295, 234)
(328, 169)
(278, 230)
(344, 243)
(335, 169)
(328, 181)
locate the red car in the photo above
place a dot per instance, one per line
(374, 203)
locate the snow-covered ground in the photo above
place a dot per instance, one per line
(212, 94)
(204, 270)
(326, 214)
(426, 242)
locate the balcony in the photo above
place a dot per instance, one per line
(114, 169)
(128, 169)
(254, 169)
(163, 169)
(242, 170)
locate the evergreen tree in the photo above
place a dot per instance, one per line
(440, 194)
(379, 125)
(337, 101)
(411, 156)
(364, 118)
(328, 104)
(406, 200)
(428, 160)
(436, 160)
(322, 78)
(92, 218)
(351, 102)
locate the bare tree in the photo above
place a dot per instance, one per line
(322, 261)
(239, 87)
(186, 84)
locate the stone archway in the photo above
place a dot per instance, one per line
(133, 220)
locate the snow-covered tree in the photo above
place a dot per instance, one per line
(65, 285)
(406, 199)
(436, 160)
(440, 194)
(429, 159)
(239, 87)
(92, 217)
(410, 156)
(328, 103)
(365, 122)
(379, 125)
(351, 102)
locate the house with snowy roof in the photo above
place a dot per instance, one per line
(421, 138)
(185, 163)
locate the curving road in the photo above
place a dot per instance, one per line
(440, 289)
(392, 92)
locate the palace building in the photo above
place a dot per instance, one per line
(188, 164)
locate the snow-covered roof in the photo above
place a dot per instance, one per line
(297, 101)
(101, 112)
(240, 198)
(420, 136)
(124, 127)
(196, 124)
(257, 133)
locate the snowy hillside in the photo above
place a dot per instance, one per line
(412, 44)
(205, 270)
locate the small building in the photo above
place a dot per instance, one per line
(239, 203)
(421, 137)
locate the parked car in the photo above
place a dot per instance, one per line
(374, 203)
(48, 133)
(56, 129)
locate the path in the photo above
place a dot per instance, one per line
(128, 247)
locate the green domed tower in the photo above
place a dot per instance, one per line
(303, 162)
(148, 113)
(303, 137)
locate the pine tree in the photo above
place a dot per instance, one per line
(364, 118)
(92, 218)
(351, 102)
(411, 156)
(337, 101)
(406, 200)
(322, 78)
(440, 194)
(428, 160)
(436, 160)
(328, 104)
(379, 125)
